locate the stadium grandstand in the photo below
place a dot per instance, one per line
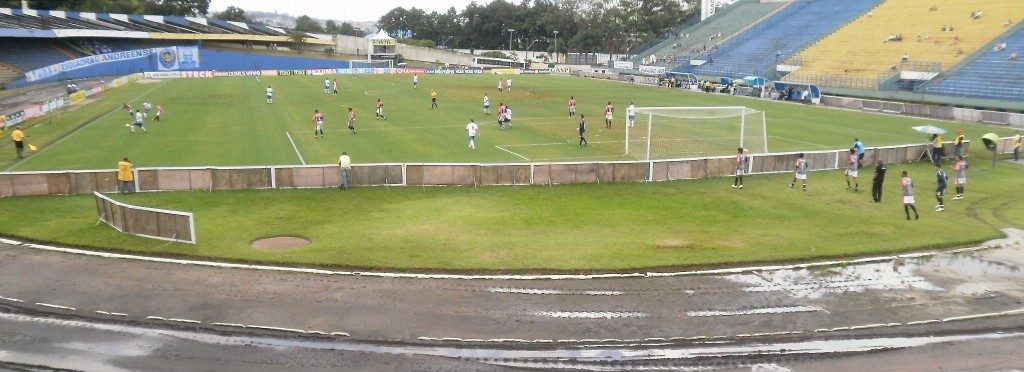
(695, 37)
(50, 38)
(918, 50)
(929, 35)
(757, 49)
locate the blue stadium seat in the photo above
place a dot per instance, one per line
(753, 52)
(989, 75)
(32, 54)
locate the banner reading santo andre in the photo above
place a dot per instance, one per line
(168, 59)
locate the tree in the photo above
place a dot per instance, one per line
(232, 13)
(307, 24)
(297, 39)
(347, 29)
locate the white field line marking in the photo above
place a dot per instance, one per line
(84, 126)
(535, 291)
(10, 299)
(591, 314)
(110, 313)
(511, 152)
(762, 311)
(55, 306)
(799, 141)
(296, 148)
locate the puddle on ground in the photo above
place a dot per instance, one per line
(886, 275)
(561, 357)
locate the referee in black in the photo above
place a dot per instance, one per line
(583, 131)
(876, 182)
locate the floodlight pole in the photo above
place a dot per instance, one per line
(556, 46)
(510, 32)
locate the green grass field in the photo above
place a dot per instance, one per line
(225, 121)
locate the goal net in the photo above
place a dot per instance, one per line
(689, 132)
(362, 63)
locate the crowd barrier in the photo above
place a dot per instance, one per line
(77, 182)
(148, 222)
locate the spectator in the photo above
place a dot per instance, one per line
(976, 14)
(125, 177)
(933, 8)
(905, 58)
(999, 47)
(959, 51)
(937, 151)
(1009, 21)
(1013, 57)
(345, 165)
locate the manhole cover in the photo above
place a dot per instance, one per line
(280, 243)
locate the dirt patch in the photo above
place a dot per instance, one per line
(673, 244)
(278, 243)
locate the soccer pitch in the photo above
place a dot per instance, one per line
(226, 122)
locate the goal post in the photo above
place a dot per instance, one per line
(689, 132)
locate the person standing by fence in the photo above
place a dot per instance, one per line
(1016, 147)
(345, 165)
(125, 177)
(958, 143)
(876, 182)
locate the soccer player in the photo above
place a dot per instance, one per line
(940, 186)
(433, 99)
(508, 84)
(415, 81)
(608, 110)
(501, 86)
(741, 168)
(800, 171)
(487, 105)
(583, 131)
(508, 116)
(351, 121)
(471, 129)
(146, 106)
(270, 96)
(380, 110)
(19, 141)
(961, 167)
(852, 170)
(876, 182)
(138, 122)
(572, 106)
(318, 124)
(128, 107)
(631, 115)
(334, 86)
(159, 111)
(327, 85)
(908, 196)
(859, 146)
(501, 115)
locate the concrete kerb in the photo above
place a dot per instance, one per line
(1013, 237)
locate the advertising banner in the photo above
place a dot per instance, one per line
(75, 64)
(505, 71)
(652, 69)
(162, 75)
(196, 74)
(77, 97)
(454, 71)
(538, 71)
(624, 65)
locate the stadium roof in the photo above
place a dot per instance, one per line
(58, 24)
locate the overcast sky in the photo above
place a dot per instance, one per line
(344, 10)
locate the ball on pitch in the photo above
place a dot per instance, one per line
(129, 125)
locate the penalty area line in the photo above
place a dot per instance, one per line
(511, 152)
(296, 148)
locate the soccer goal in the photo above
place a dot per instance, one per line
(688, 132)
(381, 63)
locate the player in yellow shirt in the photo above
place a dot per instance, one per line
(19, 141)
(433, 99)
(1016, 147)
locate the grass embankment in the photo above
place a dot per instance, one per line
(564, 228)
